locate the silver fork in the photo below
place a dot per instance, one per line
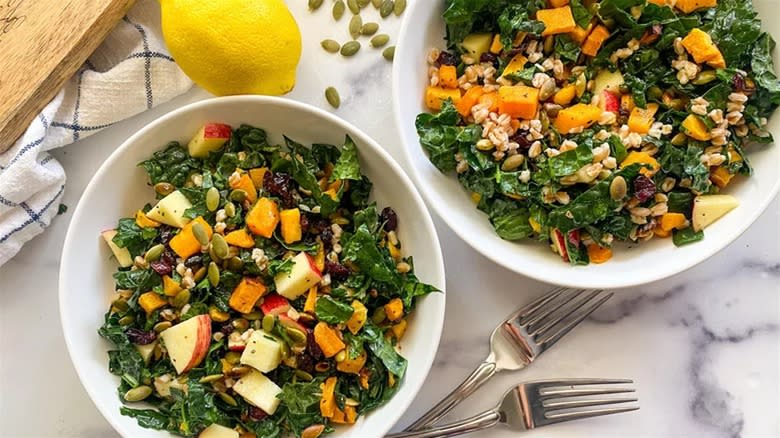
(535, 404)
(520, 339)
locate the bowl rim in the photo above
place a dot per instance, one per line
(437, 323)
(409, 152)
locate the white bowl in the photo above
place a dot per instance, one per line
(424, 29)
(119, 188)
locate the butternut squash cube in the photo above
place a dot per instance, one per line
(688, 6)
(394, 309)
(240, 238)
(352, 366)
(516, 64)
(151, 301)
(565, 95)
(576, 116)
(399, 329)
(721, 176)
(347, 416)
(435, 96)
(448, 76)
(558, 3)
(642, 158)
(673, 221)
(328, 398)
(468, 100)
(246, 294)
(496, 46)
(143, 221)
(491, 100)
(246, 184)
(311, 300)
(579, 34)
(641, 119)
(257, 175)
(328, 339)
(693, 127)
(556, 20)
(594, 40)
(171, 287)
(263, 218)
(699, 44)
(358, 318)
(291, 225)
(518, 101)
(185, 244)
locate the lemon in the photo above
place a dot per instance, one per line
(234, 46)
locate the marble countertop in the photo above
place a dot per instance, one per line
(702, 346)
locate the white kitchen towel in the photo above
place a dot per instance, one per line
(129, 73)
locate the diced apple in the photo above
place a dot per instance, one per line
(188, 342)
(170, 210)
(146, 351)
(235, 343)
(275, 304)
(263, 352)
(122, 255)
(211, 137)
(559, 243)
(218, 431)
(607, 80)
(476, 44)
(609, 101)
(709, 208)
(258, 390)
(304, 275)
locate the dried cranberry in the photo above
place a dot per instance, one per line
(738, 82)
(337, 271)
(644, 188)
(226, 328)
(192, 262)
(312, 347)
(305, 362)
(165, 234)
(489, 58)
(256, 414)
(317, 224)
(390, 219)
(304, 223)
(279, 184)
(140, 337)
(520, 137)
(327, 236)
(164, 266)
(447, 58)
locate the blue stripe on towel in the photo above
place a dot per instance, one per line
(34, 218)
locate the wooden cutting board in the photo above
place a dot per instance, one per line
(42, 44)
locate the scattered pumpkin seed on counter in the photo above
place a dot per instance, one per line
(246, 296)
(332, 96)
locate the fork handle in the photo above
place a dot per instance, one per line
(478, 422)
(484, 371)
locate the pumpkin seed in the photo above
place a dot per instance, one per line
(351, 402)
(218, 315)
(210, 378)
(399, 8)
(512, 162)
(120, 305)
(240, 324)
(199, 274)
(386, 8)
(355, 24)
(164, 188)
(303, 375)
(233, 357)
(338, 10)
(332, 96)
(284, 350)
(240, 370)
(296, 335)
(154, 253)
(268, 323)
(126, 320)
(353, 6)
(230, 209)
(376, 3)
(307, 319)
(679, 139)
(618, 188)
(219, 246)
(212, 199)
(321, 367)
(253, 316)
(181, 299)
(654, 92)
(389, 53)
(363, 3)
(314, 4)
(331, 46)
(138, 393)
(213, 274)
(380, 40)
(162, 326)
(705, 77)
(200, 233)
(341, 356)
(580, 84)
(313, 431)
(235, 264)
(369, 29)
(238, 195)
(549, 44)
(227, 398)
(350, 48)
(379, 315)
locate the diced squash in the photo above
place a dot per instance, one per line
(363, 379)
(660, 232)
(171, 287)
(565, 95)
(476, 197)
(468, 100)
(352, 366)
(291, 225)
(395, 253)
(688, 6)
(185, 244)
(594, 40)
(448, 76)
(263, 217)
(579, 34)
(516, 64)
(332, 193)
(143, 221)
(558, 3)
(240, 238)
(328, 399)
(641, 119)
(311, 300)
(490, 99)
(734, 156)
(328, 339)
(399, 329)
(257, 175)
(347, 416)
(598, 254)
(693, 127)
(576, 116)
(556, 20)
(358, 318)
(394, 309)
(673, 221)
(518, 101)
(627, 103)
(721, 176)
(246, 184)
(435, 96)
(717, 61)
(496, 46)
(151, 301)
(658, 2)
(642, 158)
(536, 226)
(699, 44)
(246, 294)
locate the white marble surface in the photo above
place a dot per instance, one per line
(703, 346)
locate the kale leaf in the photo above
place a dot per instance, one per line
(332, 311)
(348, 165)
(132, 237)
(172, 165)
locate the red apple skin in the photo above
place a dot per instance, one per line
(574, 237)
(611, 101)
(288, 322)
(558, 236)
(217, 130)
(275, 304)
(236, 345)
(313, 265)
(204, 341)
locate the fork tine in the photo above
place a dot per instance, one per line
(568, 404)
(544, 384)
(580, 315)
(562, 312)
(572, 392)
(548, 307)
(568, 416)
(541, 301)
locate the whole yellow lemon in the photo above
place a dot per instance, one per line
(234, 46)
